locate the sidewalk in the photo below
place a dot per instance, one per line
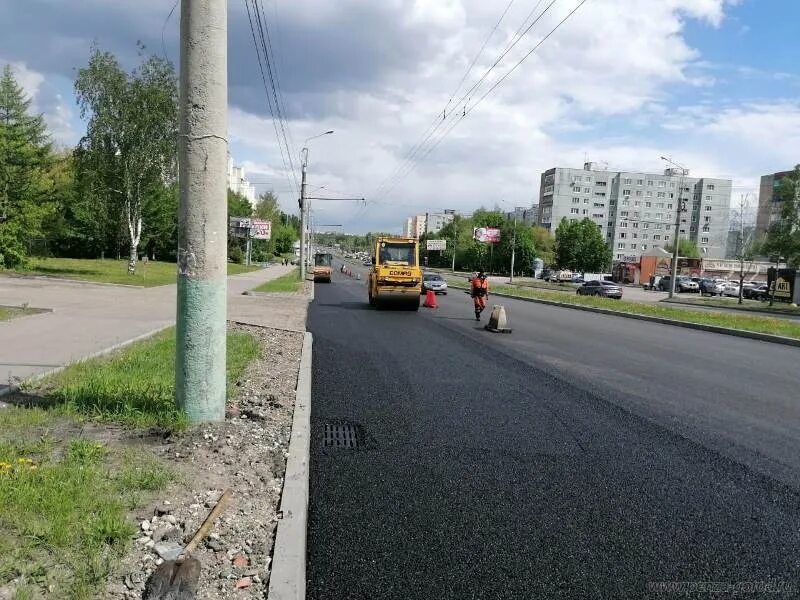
(89, 318)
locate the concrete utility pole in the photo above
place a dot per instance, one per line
(202, 215)
(304, 157)
(304, 204)
(678, 211)
(514, 245)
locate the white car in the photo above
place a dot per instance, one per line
(731, 289)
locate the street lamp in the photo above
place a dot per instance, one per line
(303, 203)
(681, 208)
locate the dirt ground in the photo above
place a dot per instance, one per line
(247, 453)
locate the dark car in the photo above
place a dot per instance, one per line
(682, 284)
(711, 287)
(607, 289)
(756, 293)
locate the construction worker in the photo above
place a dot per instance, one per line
(479, 292)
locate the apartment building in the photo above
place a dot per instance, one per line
(418, 225)
(769, 206)
(238, 182)
(636, 211)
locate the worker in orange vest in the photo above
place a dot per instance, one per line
(479, 293)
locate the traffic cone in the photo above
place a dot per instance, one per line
(430, 300)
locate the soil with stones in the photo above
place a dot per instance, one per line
(247, 453)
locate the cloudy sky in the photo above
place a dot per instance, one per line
(712, 83)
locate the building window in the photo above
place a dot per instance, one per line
(633, 246)
(635, 224)
(660, 195)
(638, 193)
(636, 214)
(574, 211)
(586, 212)
(640, 182)
(704, 240)
(601, 194)
(626, 193)
(623, 213)
(666, 238)
(623, 235)
(619, 256)
(650, 182)
(645, 225)
(708, 208)
(599, 205)
(623, 224)
(672, 185)
(637, 203)
(657, 236)
(625, 203)
(710, 187)
(707, 219)
(644, 246)
(576, 200)
(586, 201)
(662, 183)
(706, 228)
(669, 206)
(610, 224)
(576, 179)
(587, 190)
(621, 246)
(646, 216)
(598, 215)
(649, 194)
(600, 183)
(628, 181)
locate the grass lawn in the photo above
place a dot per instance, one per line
(733, 321)
(10, 312)
(733, 304)
(135, 386)
(148, 274)
(66, 489)
(285, 283)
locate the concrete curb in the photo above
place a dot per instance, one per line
(288, 578)
(79, 281)
(735, 308)
(753, 335)
(15, 387)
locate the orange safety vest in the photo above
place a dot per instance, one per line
(480, 287)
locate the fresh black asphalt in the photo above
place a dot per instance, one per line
(581, 456)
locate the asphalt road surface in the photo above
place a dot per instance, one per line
(581, 456)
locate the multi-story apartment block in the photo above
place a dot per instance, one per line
(769, 206)
(636, 211)
(419, 225)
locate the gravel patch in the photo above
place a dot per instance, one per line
(247, 453)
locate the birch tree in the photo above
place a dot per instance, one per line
(129, 151)
(743, 224)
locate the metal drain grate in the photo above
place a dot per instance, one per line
(341, 435)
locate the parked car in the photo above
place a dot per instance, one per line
(756, 293)
(682, 284)
(577, 279)
(731, 289)
(711, 286)
(607, 289)
(433, 282)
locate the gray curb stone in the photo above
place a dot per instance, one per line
(288, 578)
(764, 337)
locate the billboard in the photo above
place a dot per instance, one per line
(257, 229)
(436, 244)
(260, 229)
(488, 235)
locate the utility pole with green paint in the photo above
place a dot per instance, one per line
(202, 216)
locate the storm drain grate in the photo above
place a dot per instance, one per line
(341, 435)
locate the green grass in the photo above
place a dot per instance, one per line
(64, 505)
(11, 312)
(285, 283)
(753, 323)
(135, 386)
(733, 304)
(150, 274)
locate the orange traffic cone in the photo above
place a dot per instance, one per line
(430, 300)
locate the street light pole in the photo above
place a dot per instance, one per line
(304, 204)
(679, 210)
(513, 247)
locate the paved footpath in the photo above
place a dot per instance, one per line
(88, 318)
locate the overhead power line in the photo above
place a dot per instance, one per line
(460, 107)
(271, 89)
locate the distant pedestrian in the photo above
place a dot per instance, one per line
(479, 290)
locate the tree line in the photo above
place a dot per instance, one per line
(116, 193)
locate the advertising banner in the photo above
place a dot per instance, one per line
(436, 244)
(260, 230)
(487, 235)
(784, 284)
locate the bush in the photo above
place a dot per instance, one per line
(236, 254)
(12, 252)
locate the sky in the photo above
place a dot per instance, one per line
(714, 84)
